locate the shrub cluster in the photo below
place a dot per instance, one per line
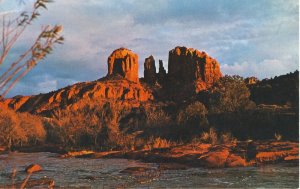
(20, 129)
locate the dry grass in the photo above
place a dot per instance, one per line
(278, 136)
(158, 143)
(226, 138)
(209, 137)
(212, 137)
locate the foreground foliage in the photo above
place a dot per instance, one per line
(20, 129)
(41, 46)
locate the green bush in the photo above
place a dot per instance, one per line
(194, 115)
(229, 94)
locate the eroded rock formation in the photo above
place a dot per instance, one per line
(121, 84)
(162, 74)
(189, 71)
(150, 70)
(123, 62)
(187, 65)
(81, 93)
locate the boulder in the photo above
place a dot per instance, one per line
(235, 161)
(33, 168)
(123, 62)
(215, 158)
(150, 70)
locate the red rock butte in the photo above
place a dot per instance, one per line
(188, 65)
(190, 71)
(123, 62)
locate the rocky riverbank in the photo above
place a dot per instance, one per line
(238, 154)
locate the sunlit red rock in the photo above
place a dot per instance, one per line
(72, 96)
(235, 161)
(123, 62)
(33, 168)
(187, 65)
(215, 159)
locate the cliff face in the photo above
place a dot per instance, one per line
(123, 62)
(81, 93)
(189, 72)
(121, 84)
(187, 65)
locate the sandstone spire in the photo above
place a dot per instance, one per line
(162, 74)
(123, 62)
(150, 70)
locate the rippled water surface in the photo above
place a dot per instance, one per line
(106, 173)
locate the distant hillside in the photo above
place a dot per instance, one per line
(280, 90)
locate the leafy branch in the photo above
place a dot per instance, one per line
(41, 47)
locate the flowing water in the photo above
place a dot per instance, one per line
(106, 173)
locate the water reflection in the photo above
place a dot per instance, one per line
(95, 173)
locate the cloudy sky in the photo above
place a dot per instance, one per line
(248, 37)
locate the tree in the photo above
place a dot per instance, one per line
(229, 94)
(193, 115)
(19, 129)
(11, 31)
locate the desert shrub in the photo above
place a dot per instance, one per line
(10, 130)
(93, 126)
(156, 117)
(229, 94)
(227, 137)
(133, 121)
(147, 121)
(193, 115)
(158, 142)
(210, 136)
(33, 128)
(55, 133)
(71, 128)
(18, 129)
(190, 121)
(277, 136)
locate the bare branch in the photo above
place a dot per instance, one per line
(42, 46)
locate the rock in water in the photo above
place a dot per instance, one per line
(123, 62)
(33, 168)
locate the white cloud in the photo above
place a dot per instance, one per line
(264, 69)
